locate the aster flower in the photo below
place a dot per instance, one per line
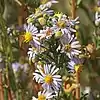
(48, 78)
(43, 96)
(61, 23)
(31, 34)
(47, 32)
(74, 64)
(70, 45)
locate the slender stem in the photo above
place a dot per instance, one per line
(9, 91)
(78, 88)
(21, 20)
(1, 87)
(73, 9)
(77, 73)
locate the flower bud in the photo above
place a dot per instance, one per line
(42, 21)
(29, 20)
(58, 34)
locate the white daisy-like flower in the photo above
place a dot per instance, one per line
(48, 78)
(62, 24)
(70, 45)
(31, 34)
(47, 32)
(44, 96)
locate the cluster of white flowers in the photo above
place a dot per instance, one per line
(42, 25)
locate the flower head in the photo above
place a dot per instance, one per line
(60, 22)
(70, 45)
(31, 34)
(44, 95)
(46, 33)
(50, 81)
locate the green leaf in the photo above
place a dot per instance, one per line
(12, 79)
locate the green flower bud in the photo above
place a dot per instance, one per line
(29, 20)
(58, 34)
(42, 21)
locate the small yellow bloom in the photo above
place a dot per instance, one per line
(41, 97)
(48, 79)
(27, 37)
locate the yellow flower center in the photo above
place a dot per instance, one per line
(41, 97)
(61, 24)
(68, 47)
(28, 37)
(48, 79)
(48, 33)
